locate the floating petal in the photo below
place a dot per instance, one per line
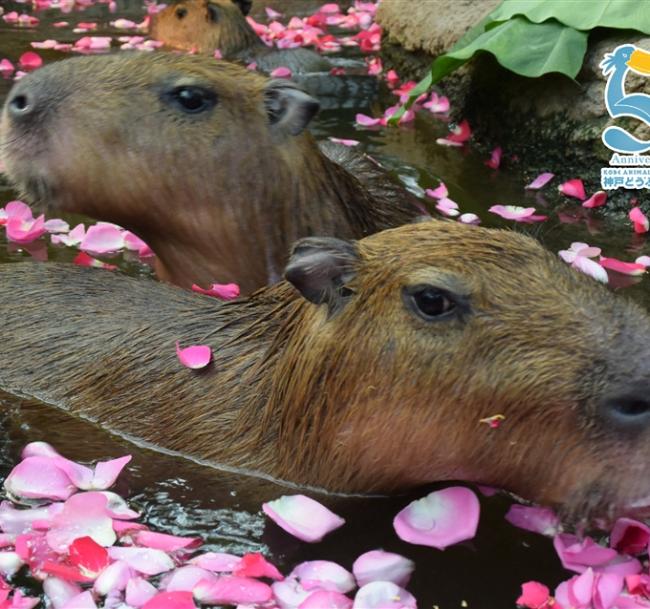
(302, 517)
(378, 565)
(573, 188)
(540, 181)
(440, 519)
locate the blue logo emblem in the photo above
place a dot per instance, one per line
(615, 66)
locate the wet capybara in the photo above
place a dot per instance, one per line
(370, 373)
(208, 25)
(206, 161)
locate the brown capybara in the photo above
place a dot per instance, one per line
(208, 25)
(206, 161)
(370, 373)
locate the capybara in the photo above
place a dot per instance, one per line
(206, 161)
(207, 25)
(370, 373)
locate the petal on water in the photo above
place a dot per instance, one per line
(440, 519)
(302, 517)
(378, 565)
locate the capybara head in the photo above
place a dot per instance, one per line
(161, 144)
(425, 330)
(205, 26)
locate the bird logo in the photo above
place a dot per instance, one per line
(615, 66)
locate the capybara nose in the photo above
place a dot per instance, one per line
(630, 409)
(20, 105)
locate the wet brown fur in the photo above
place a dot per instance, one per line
(370, 397)
(231, 34)
(218, 196)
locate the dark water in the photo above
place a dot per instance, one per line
(181, 497)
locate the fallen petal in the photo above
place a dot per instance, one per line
(598, 199)
(440, 519)
(194, 357)
(302, 517)
(540, 181)
(383, 595)
(573, 188)
(378, 565)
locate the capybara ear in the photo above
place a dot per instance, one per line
(288, 107)
(319, 268)
(244, 5)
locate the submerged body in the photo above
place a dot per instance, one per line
(206, 161)
(370, 373)
(205, 26)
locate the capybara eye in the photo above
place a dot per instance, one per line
(192, 100)
(429, 302)
(181, 12)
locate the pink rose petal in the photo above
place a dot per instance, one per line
(460, 133)
(169, 600)
(74, 237)
(114, 577)
(194, 357)
(102, 239)
(598, 199)
(6, 67)
(302, 517)
(83, 514)
(469, 219)
(56, 225)
(447, 207)
(495, 158)
(81, 601)
(219, 562)
(167, 543)
(344, 142)
(626, 268)
(223, 291)
(378, 565)
(88, 555)
(629, 536)
(321, 599)
(83, 259)
(516, 213)
(591, 268)
(139, 591)
(39, 477)
(540, 181)
(440, 192)
(536, 519)
(30, 61)
(187, 578)
(143, 560)
(254, 564)
(639, 220)
(367, 121)
(383, 595)
(22, 230)
(573, 188)
(230, 590)
(59, 591)
(281, 72)
(440, 519)
(325, 575)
